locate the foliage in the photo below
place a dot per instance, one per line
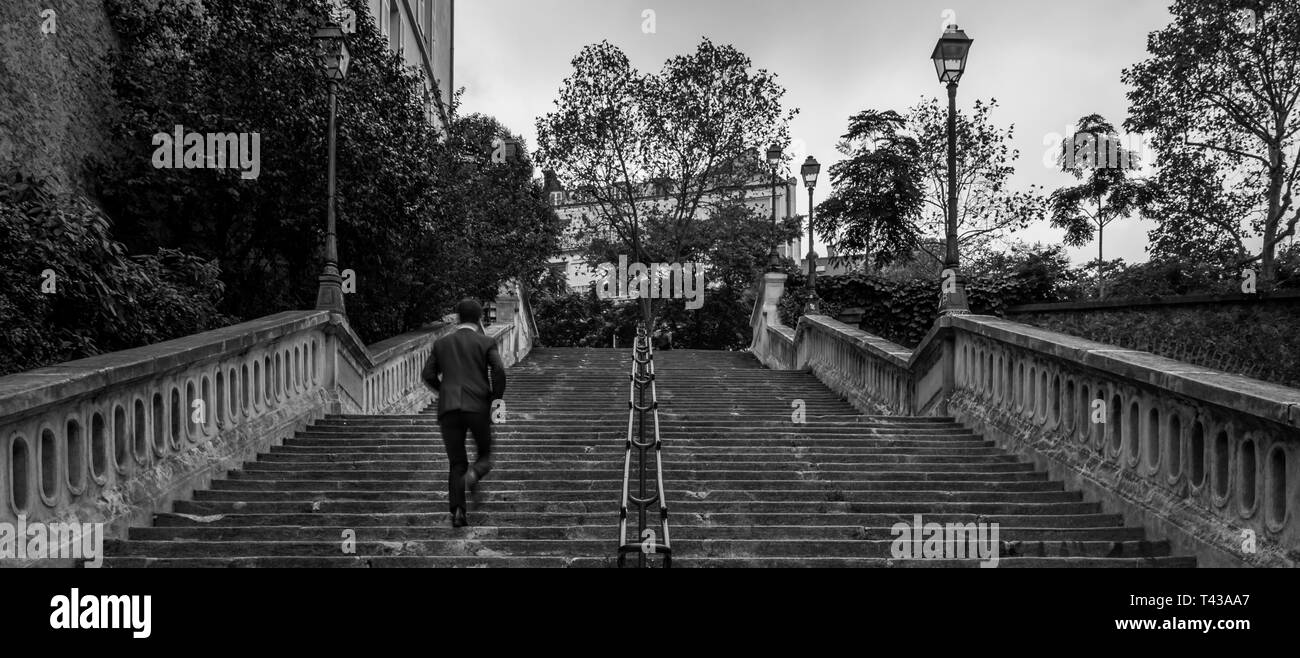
(890, 196)
(1251, 340)
(1198, 215)
(904, 308)
(987, 207)
(739, 245)
(1029, 274)
(425, 216)
(103, 299)
(577, 319)
(1095, 151)
(877, 193)
(1163, 278)
(1219, 93)
(899, 311)
(650, 152)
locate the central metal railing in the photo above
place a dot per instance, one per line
(643, 400)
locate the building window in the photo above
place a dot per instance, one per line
(395, 26)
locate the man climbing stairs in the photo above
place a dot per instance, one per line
(747, 486)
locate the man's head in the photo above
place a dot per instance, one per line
(469, 311)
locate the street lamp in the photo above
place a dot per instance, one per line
(950, 63)
(774, 157)
(332, 48)
(810, 169)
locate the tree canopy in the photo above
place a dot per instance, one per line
(878, 192)
(1095, 155)
(425, 214)
(652, 154)
(890, 196)
(1219, 92)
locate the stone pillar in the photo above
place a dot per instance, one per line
(773, 288)
(765, 311)
(507, 306)
(330, 367)
(509, 312)
(949, 357)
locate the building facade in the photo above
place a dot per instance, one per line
(423, 33)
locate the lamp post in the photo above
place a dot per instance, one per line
(774, 157)
(950, 63)
(332, 48)
(810, 169)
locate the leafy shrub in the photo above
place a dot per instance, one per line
(899, 311)
(103, 299)
(1251, 340)
(580, 319)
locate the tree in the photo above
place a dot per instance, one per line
(1219, 91)
(1028, 274)
(651, 151)
(877, 190)
(425, 216)
(987, 207)
(1198, 214)
(499, 226)
(737, 249)
(1095, 149)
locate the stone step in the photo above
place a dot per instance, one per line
(494, 485)
(707, 548)
(536, 562)
(880, 471)
(495, 518)
(547, 419)
(709, 495)
(607, 458)
(745, 486)
(202, 508)
(544, 479)
(538, 450)
(892, 421)
(607, 533)
(617, 440)
(865, 463)
(524, 428)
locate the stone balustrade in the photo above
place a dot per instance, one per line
(870, 372)
(117, 437)
(1207, 459)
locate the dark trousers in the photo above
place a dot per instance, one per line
(455, 425)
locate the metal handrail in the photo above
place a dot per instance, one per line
(642, 383)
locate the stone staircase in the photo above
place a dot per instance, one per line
(746, 487)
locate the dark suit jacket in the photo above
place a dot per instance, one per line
(463, 358)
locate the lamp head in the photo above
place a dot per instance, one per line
(950, 54)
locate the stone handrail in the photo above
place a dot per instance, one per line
(870, 372)
(114, 438)
(1209, 460)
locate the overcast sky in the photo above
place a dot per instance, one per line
(1047, 62)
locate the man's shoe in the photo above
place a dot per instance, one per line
(458, 519)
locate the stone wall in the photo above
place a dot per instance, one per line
(1250, 335)
(55, 94)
